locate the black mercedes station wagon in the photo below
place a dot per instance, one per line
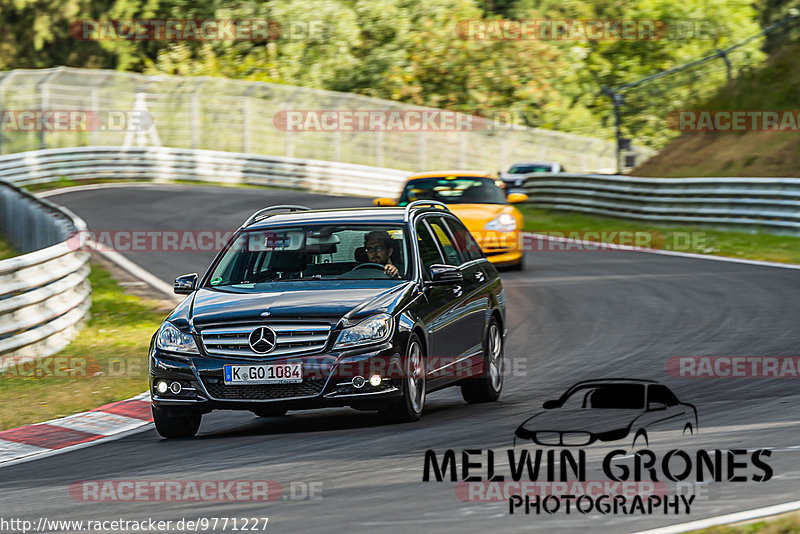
(371, 308)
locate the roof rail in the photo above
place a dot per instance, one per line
(420, 203)
(262, 213)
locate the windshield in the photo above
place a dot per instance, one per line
(346, 252)
(526, 169)
(606, 396)
(454, 190)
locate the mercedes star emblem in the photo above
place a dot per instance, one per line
(262, 339)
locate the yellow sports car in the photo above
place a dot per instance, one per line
(479, 200)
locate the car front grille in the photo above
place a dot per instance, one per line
(291, 338)
(568, 439)
(309, 388)
(576, 439)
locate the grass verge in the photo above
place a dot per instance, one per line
(6, 250)
(67, 182)
(106, 362)
(755, 246)
(788, 524)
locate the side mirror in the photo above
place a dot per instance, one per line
(549, 405)
(516, 198)
(384, 202)
(443, 275)
(656, 406)
(184, 285)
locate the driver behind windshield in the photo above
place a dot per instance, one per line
(379, 245)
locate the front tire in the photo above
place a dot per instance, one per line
(172, 424)
(641, 436)
(410, 407)
(488, 386)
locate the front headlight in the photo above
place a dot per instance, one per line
(505, 222)
(171, 339)
(371, 330)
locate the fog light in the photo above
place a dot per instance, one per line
(175, 387)
(161, 387)
(358, 382)
(375, 380)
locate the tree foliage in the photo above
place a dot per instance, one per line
(411, 51)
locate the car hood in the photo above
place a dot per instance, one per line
(351, 300)
(594, 420)
(475, 216)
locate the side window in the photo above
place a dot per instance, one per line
(428, 250)
(658, 393)
(465, 243)
(451, 255)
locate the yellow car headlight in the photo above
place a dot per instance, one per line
(505, 222)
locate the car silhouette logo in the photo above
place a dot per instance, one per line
(613, 409)
(262, 339)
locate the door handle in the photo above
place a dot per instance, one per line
(457, 291)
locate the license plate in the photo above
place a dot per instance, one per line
(284, 373)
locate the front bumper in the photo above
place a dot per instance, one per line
(501, 248)
(327, 381)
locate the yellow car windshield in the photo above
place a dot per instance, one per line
(454, 190)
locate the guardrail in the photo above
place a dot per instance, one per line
(735, 203)
(770, 203)
(163, 163)
(45, 292)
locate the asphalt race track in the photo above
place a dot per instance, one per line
(572, 316)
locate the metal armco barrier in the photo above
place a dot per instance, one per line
(735, 203)
(44, 293)
(163, 163)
